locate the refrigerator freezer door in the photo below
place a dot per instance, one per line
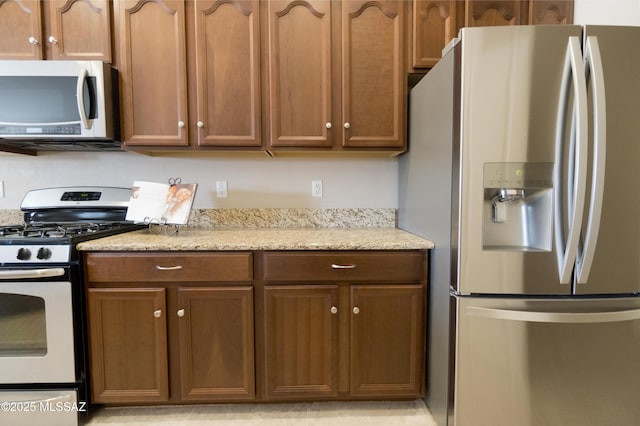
(547, 362)
(510, 88)
(616, 265)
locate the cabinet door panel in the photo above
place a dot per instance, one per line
(301, 335)
(373, 73)
(434, 25)
(491, 13)
(153, 72)
(299, 72)
(550, 12)
(228, 73)
(20, 21)
(387, 335)
(82, 30)
(128, 345)
(216, 343)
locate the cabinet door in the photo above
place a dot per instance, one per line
(216, 343)
(20, 29)
(128, 345)
(373, 74)
(228, 73)
(80, 30)
(550, 12)
(301, 335)
(153, 76)
(387, 340)
(299, 73)
(434, 25)
(480, 13)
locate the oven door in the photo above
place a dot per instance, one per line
(36, 327)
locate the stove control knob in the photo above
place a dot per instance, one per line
(24, 254)
(44, 253)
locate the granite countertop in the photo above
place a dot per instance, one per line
(261, 239)
(266, 229)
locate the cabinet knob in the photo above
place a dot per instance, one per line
(180, 313)
(200, 124)
(181, 124)
(157, 313)
(53, 40)
(334, 310)
(33, 40)
(347, 125)
(328, 125)
(356, 310)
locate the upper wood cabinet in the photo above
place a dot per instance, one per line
(435, 23)
(212, 93)
(374, 82)
(227, 90)
(550, 12)
(153, 72)
(336, 74)
(481, 13)
(71, 29)
(299, 72)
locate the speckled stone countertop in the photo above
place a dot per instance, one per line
(261, 239)
(272, 229)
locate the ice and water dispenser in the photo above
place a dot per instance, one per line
(518, 208)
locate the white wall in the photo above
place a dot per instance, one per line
(607, 12)
(254, 180)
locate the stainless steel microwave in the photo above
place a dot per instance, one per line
(59, 105)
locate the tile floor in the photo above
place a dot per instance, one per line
(384, 413)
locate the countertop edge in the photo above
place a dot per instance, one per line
(261, 239)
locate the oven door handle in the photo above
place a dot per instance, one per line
(18, 274)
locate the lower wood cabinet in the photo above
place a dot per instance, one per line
(190, 339)
(344, 325)
(301, 341)
(329, 325)
(128, 344)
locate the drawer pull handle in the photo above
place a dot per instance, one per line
(168, 268)
(356, 310)
(338, 266)
(157, 313)
(334, 310)
(180, 313)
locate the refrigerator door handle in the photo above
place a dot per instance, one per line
(555, 317)
(594, 71)
(574, 76)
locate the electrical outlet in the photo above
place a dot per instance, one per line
(316, 188)
(1, 189)
(221, 189)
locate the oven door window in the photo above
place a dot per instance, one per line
(23, 326)
(36, 332)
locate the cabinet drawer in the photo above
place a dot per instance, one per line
(158, 267)
(399, 266)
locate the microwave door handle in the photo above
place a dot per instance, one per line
(594, 66)
(80, 98)
(567, 249)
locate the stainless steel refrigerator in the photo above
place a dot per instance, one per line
(524, 168)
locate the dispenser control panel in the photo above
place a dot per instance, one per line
(518, 175)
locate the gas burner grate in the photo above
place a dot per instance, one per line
(56, 230)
